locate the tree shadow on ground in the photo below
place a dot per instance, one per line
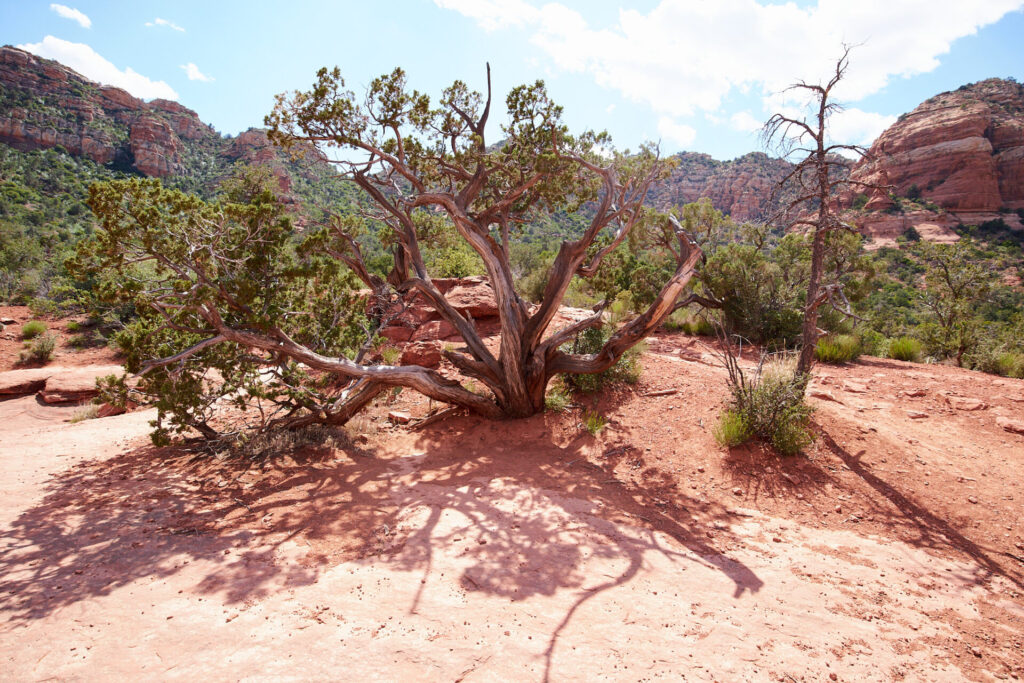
(922, 527)
(537, 507)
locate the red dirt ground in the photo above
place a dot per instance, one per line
(64, 355)
(531, 550)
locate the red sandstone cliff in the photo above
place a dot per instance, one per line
(962, 150)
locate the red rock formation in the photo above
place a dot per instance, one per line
(963, 150)
(742, 188)
(155, 147)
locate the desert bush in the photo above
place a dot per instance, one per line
(905, 348)
(625, 371)
(770, 405)
(840, 348)
(39, 350)
(32, 329)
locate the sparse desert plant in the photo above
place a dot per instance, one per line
(277, 442)
(905, 348)
(594, 422)
(32, 329)
(840, 348)
(557, 399)
(389, 354)
(74, 326)
(732, 429)
(770, 404)
(39, 350)
(88, 412)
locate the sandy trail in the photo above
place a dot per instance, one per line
(522, 551)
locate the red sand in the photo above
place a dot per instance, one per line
(529, 549)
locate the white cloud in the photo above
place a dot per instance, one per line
(493, 14)
(163, 22)
(857, 127)
(194, 74)
(679, 133)
(745, 122)
(685, 56)
(72, 14)
(90, 64)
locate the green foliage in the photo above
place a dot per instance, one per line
(626, 371)
(770, 407)
(32, 329)
(732, 429)
(39, 350)
(594, 422)
(905, 348)
(250, 269)
(840, 348)
(557, 398)
(389, 354)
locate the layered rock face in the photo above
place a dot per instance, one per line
(45, 104)
(962, 150)
(743, 188)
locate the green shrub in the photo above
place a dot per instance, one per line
(770, 407)
(905, 348)
(390, 355)
(40, 350)
(32, 329)
(626, 370)
(1010, 364)
(732, 429)
(594, 422)
(74, 326)
(840, 348)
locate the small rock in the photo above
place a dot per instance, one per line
(823, 395)
(737, 491)
(399, 417)
(776, 539)
(855, 387)
(8, 321)
(915, 392)
(975, 651)
(916, 415)
(972, 499)
(839, 509)
(962, 403)
(832, 676)
(1015, 426)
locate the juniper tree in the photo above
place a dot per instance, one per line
(222, 279)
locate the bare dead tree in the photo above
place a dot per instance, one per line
(817, 180)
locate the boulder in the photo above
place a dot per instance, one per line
(396, 333)
(23, 382)
(473, 296)
(425, 354)
(434, 330)
(74, 385)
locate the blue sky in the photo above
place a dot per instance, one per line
(695, 74)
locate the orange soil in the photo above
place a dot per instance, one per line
(64, 355)
(529, 549)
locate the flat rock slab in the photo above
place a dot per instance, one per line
(56, 384)
(22, 382)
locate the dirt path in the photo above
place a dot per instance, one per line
(529, 550)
